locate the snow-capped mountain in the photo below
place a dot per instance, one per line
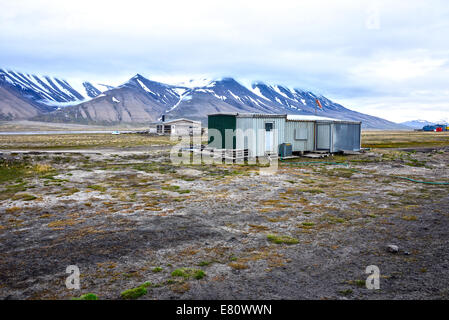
(94, 90)
(39, 94)
(141, 100)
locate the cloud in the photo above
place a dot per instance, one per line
(363, 53)
(397, 70)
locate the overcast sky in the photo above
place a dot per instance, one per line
(384, 58)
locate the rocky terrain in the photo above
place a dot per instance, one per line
(131, 219)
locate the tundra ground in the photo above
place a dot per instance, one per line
(131, 219)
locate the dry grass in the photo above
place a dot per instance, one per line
(238, 265)
(403, 139)
(41, 168)
(409, 218)
(12, 210)
(134, 197)
(180, 287)
(61, 224)
(80, 141)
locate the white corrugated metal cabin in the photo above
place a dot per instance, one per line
(261, 134)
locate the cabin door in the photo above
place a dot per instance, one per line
(323, 136)
(269, 136)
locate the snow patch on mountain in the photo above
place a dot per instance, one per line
(51, 91)
(257, 91)
(194, 83)
(144, 87)
(181, 98)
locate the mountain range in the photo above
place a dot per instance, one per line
(419, 124)
(140, 100)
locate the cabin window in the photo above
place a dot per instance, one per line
(301, 134)
(268, 126)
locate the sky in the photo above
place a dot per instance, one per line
(385, 58)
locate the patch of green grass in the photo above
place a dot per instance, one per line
(97, 188)
(333, 219)
(282, 239)
(204, 263)
(171, 188)
(360, 283)
(87, 296)
(311, 190)
(135, 292)
(146, 284)
(157, 269)
(337, 172)
(308, 224)
(21, 186)
(24, 197)
(345, 292)
(129, 275)
(189, 273)
(49, 176)
(175, 189)
(11, 172)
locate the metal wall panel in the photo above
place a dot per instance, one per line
(323, 136)
(220, 123)
(346, 136)
(247, 126)
(301, 135)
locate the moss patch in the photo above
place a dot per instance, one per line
(282, 239)
(189, 273)
(87, 296)
(135, 292)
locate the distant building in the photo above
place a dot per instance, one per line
(176, 127)
(436, 128)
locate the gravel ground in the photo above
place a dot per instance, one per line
(306, 232)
